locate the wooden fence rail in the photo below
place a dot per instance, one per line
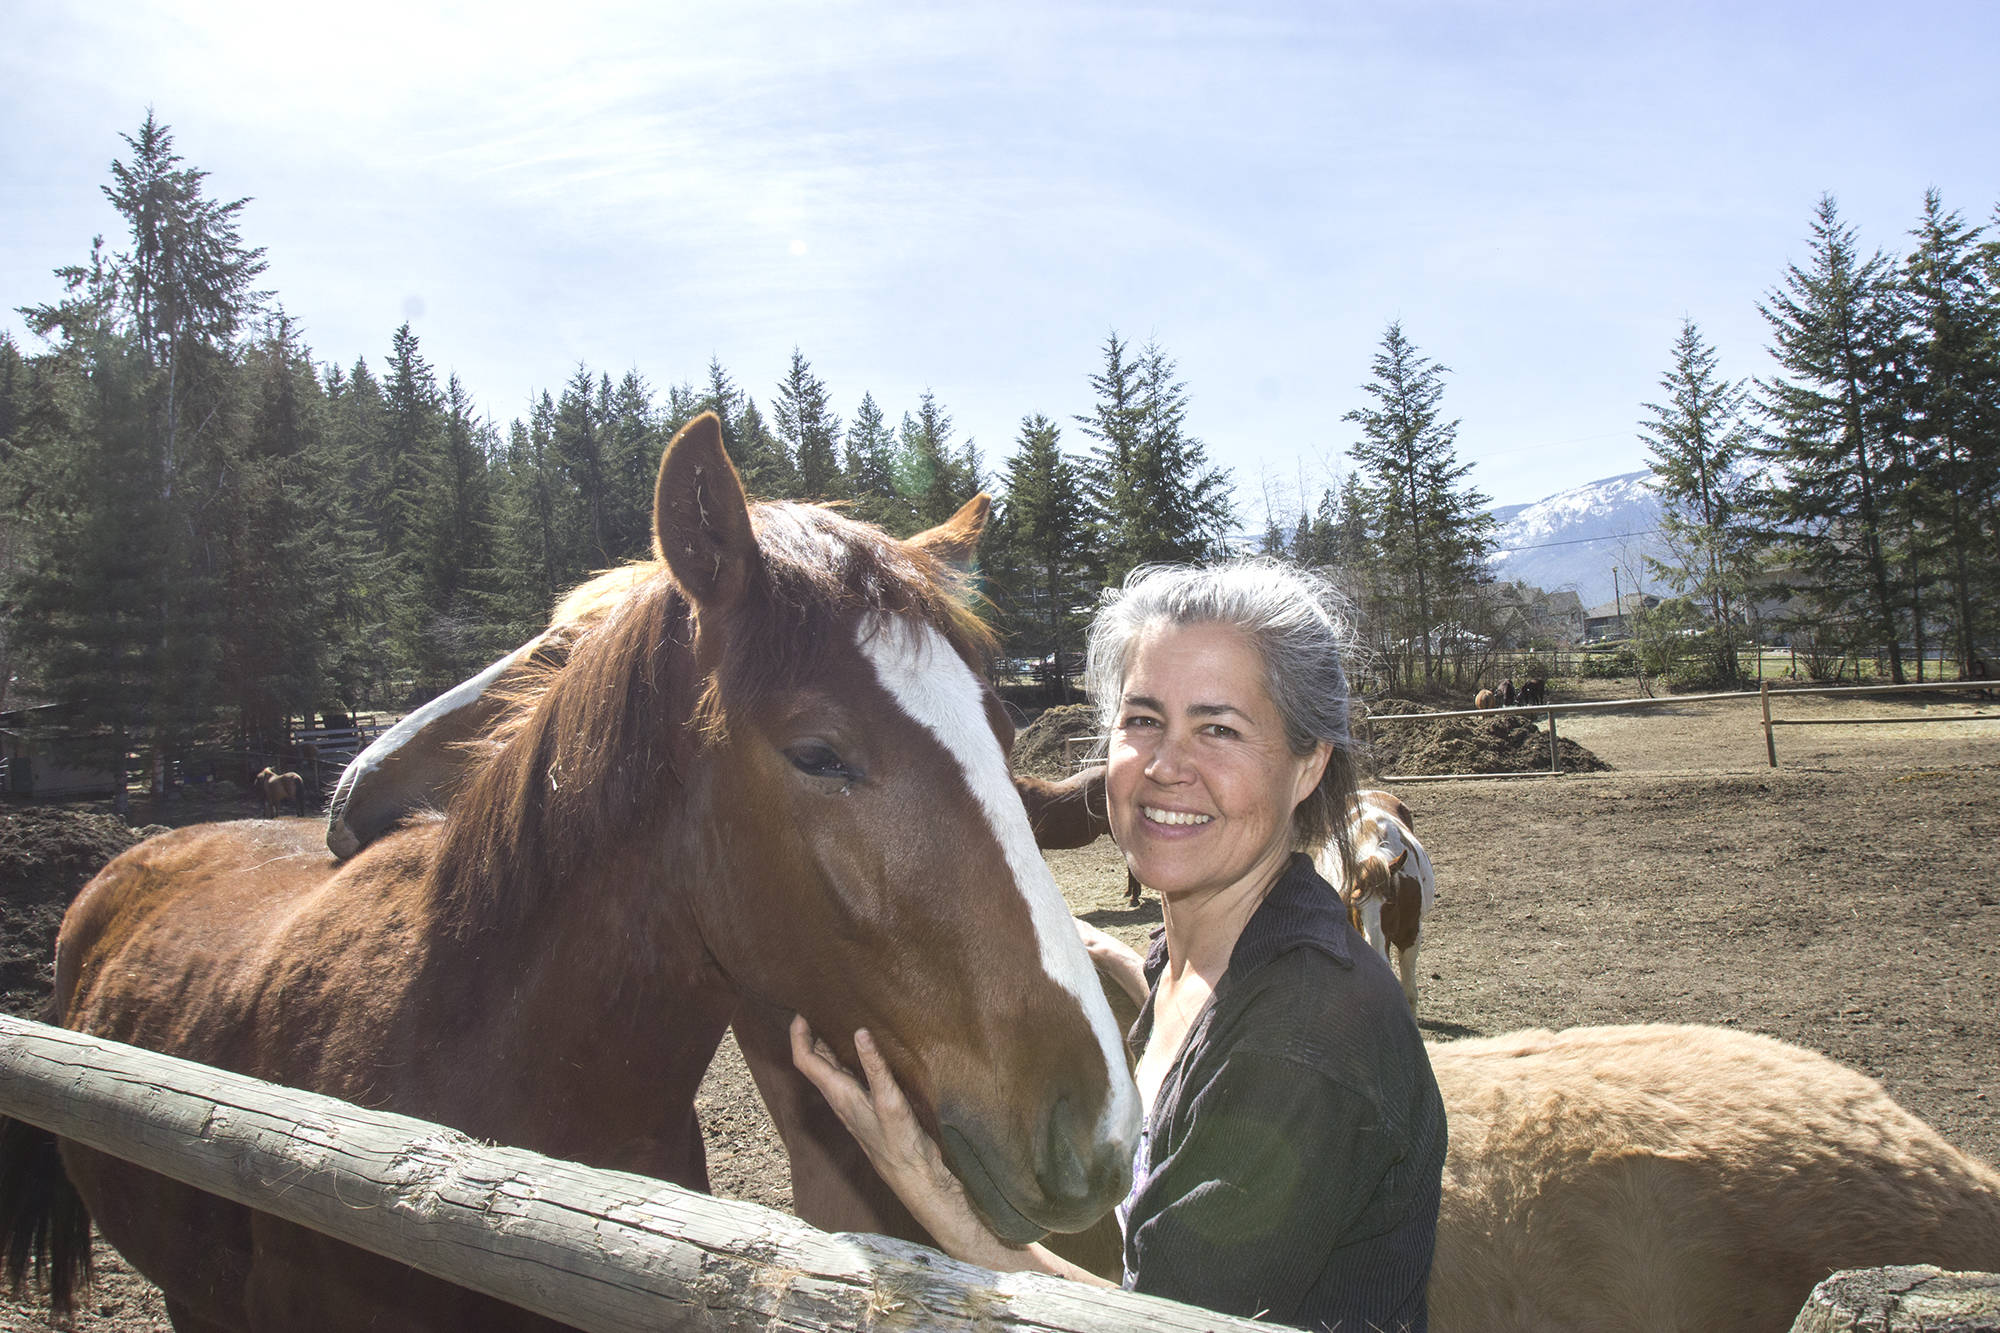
(1075, 746)
(601, 1250)
(1764, 694)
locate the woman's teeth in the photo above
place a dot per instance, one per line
(1173, 816)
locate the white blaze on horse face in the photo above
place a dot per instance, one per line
(934, 686)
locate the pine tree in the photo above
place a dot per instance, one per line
(277, 601)
(1153, 496)
(869, 470)
(530, 549)
(13, 411)
(635, 443)
(933, 479)
(85, 595)
(584, 504)
(461, 578)
(810, 430)
(360, 575)
(1431, 529)
(1953, 398)
(1833, 327)
(186, 281)
(411, 475)
(761, 458)
(1110, 471)
(172, 304)
(1042, 534)
(1184, 502)
(1698, 439)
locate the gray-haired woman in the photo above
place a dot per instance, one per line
(1294, 1139)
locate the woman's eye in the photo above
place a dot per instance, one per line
(819, 761)
(1134, 723)
(1221, 731)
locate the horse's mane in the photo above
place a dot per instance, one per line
(604, 724)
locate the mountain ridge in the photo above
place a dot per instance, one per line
(1574, 539)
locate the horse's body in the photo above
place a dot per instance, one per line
(767, 777)
(419, 766)
(1681, 1178)
(1392, 889)
(277, 790)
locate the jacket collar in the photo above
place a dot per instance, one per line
(1301, 910)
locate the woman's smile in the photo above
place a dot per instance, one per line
(1201, 778)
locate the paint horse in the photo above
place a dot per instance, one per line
(1392, 889)
(276, 790)
(769, 775)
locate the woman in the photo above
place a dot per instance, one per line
(1294, 1139)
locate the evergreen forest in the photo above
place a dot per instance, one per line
(209, 534)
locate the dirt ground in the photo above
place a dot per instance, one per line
(1848, 901)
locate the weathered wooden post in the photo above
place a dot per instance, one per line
(1555, 764)
(1912, 1299)
(1770, 745)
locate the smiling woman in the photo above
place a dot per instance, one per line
(1294, 1139)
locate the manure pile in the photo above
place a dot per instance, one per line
(47, 853)
(1509, 743)
(1038, 749)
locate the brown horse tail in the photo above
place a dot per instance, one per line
(44, 1227)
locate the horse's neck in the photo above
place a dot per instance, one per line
(600, 1007)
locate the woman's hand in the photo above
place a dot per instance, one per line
(1115, 959)
(880, 1118)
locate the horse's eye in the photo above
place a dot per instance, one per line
(818, 760)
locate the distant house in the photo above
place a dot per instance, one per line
(1525, 615)
(36, 759)
(1613, 620)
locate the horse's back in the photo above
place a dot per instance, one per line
(1662, 1176)
(210, 942)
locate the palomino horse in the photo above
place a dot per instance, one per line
(769, 775)
(1679, 1178)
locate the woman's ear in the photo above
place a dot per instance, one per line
(1312, 768)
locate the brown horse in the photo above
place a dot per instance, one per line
(769, 778)
(417, 767)
(277, 790)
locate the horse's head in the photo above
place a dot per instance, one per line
(882, 869)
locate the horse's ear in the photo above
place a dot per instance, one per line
(701, 522)
(956, 540)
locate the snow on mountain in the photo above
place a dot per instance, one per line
(1574, 539)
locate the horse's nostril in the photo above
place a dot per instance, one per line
(1062, 1170)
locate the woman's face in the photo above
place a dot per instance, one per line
(1201, 781)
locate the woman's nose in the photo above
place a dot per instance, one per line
(1169, 761)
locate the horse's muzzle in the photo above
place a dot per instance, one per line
(1073, 1179)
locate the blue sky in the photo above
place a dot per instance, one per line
(967, 198)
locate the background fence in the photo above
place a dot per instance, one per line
(1763, 695)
